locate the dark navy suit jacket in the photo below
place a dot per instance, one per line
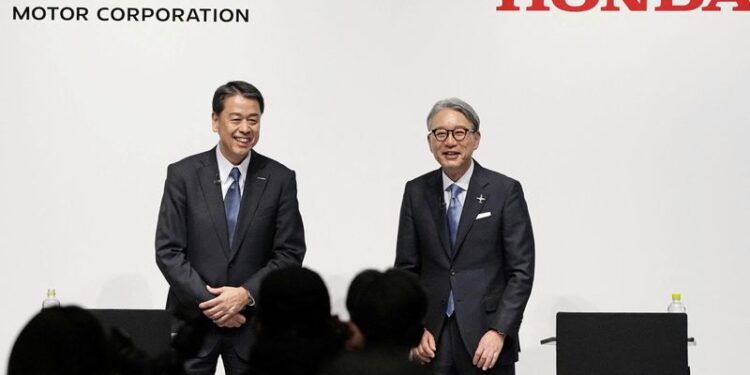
(491, 267)
(192, 245)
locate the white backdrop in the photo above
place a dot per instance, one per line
(629, 132)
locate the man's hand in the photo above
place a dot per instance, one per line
(227, 303)
(235, 321)
(425, 351)
(488, 351)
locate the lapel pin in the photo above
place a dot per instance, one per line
(481, 199)
(261, 178)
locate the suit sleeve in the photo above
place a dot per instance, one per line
(289, 237)
(518, 244)
(171, 243)
(407, 243)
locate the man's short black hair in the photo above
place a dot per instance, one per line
(61, 340)
(294, 300)
(236, 88)
(388, 307)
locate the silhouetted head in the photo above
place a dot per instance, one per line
(60, 341)
(296, 332)
(293, 300)
(388, 307)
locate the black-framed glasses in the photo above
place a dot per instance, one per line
(459, 134)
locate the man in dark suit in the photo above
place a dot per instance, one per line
(228, 217)
(465, 230)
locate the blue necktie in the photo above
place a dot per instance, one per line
(232, 203)
(454, 213)
(454, 216)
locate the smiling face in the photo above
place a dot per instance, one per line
(238, 126)
(454, 156)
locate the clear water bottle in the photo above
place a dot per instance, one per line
(676, 306)
(51, 300)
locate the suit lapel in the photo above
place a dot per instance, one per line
(436, 202)
(472, 205)
(255, 185)
(208, 174)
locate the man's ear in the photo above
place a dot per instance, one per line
(215, 122)
(356, 340)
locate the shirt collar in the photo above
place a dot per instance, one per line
(462, 182)
(225, 166)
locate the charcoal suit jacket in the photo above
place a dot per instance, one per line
(490, 269)
(192, 244)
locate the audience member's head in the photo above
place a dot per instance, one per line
(296, 332)
(60, 341)
(387, 307)
(293, 300)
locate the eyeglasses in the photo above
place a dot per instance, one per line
(458, 134)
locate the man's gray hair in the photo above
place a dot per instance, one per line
(458, 105)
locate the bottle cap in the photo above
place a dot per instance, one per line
(676, 296)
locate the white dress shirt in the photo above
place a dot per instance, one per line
(225, 166)
(463, 182)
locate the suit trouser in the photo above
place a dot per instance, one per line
(233, 364)
(452, 358)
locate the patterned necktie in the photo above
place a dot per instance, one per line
(454, 213)
(232, 203)
(454, 216)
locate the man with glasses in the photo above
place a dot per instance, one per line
(465, 230)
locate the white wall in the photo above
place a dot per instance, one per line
(629, 132)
